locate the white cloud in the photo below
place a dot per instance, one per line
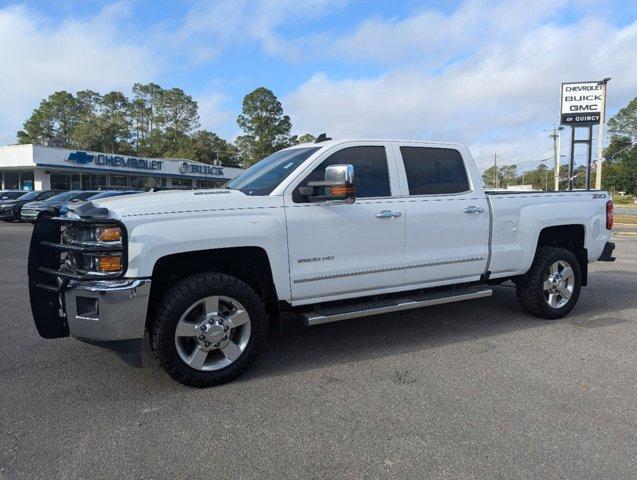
(497, 97)
(39, 57)
(210, 28)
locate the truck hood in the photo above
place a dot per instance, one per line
(181, 202)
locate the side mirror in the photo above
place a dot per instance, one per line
(338, 186)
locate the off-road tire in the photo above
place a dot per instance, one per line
(530, 290)
(175, 302)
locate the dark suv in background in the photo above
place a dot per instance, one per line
(33, 211)
(11, 204)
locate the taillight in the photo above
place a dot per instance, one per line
(609, 215)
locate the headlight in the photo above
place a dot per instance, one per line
(92, 250)
(86, 234)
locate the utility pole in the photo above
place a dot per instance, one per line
(556, 155)
(495, 171)
(600, 136)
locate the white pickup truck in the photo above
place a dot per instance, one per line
(330, 231)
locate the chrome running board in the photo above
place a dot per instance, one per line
(334, 314)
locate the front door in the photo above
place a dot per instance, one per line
(340, 250)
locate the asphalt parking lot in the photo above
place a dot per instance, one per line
(470, 390)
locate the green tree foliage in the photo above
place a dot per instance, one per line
(506, 175)
(155, 122)
(56, 117)
(266, 129)
(305, 138)
(208, 147)
(619, 173)
(624, 123)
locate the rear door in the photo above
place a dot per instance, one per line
(447, 215)
(346, 250)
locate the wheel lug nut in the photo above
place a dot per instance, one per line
(225, 329)
(202, 337)
(225, 337)
(203, 328)
(216, 345)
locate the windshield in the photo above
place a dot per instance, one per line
(46, 195)
(264, 176)
(84, 196)
(29, 196)
(63, 197)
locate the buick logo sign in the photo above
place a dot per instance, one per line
(196, 169)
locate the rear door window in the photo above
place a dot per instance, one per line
(432, 171)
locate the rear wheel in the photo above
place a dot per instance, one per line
(208, 329)
(552, 285)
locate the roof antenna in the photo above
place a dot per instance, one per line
(322, 138)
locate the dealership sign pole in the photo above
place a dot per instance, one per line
(582, 105)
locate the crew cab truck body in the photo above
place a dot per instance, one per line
(332, 230)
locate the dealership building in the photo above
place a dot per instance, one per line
(34, 167)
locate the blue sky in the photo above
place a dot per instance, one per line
(481, 72)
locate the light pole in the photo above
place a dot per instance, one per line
(600, 136)
(556, 155)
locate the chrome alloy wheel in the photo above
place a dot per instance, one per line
(559, 283)
(212, 333)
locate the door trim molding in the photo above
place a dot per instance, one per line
(385, 269)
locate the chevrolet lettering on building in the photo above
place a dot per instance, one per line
(117, 161)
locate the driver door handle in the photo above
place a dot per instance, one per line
(473, 209)
(388, 214)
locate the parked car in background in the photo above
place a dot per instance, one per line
(70, 206)
(33, 211)
(10, 208)
(8, 196)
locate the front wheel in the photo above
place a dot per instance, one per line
(552, 285)
(208, 329)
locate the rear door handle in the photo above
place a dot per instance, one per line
(473, 209)
(388, 214)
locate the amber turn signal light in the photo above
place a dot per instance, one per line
(342, 190)
(110, 263)
(109, 234)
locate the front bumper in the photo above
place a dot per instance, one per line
(29, 214)
(107, 310)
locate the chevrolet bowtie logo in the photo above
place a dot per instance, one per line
(80, 157)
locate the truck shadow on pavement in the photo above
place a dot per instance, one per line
(298, 347)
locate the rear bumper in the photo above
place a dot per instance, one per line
(607, 253)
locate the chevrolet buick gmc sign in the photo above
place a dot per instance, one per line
(582, 103)
(114, 161)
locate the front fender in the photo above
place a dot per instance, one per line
(162, 235)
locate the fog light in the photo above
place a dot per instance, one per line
(109, 234)
(110, 263)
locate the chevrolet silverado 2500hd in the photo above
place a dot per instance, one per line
(333, 230)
